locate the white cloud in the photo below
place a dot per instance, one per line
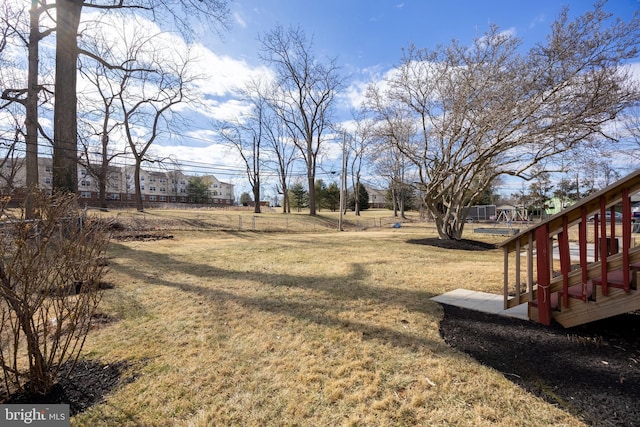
(239, 20)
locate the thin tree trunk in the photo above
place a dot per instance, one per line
(136, 178)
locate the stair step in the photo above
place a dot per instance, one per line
(615, 279)
(554, 301)
(576, 291)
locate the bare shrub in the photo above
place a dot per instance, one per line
(50, 271)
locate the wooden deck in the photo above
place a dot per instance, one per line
(577, 288)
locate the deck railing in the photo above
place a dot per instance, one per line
(549, 283)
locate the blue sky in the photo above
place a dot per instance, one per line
(371, 33)
(367, 36)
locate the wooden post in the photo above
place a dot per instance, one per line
(506, 278)
(544, 276)
(612, 232)
(565, 259)
(582, 243)
(530, 266)
(626, 238)
(603, 246)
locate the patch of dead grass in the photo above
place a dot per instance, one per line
(298, 329)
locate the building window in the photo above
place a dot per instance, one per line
(163, 198)
(152, 198)
(163, 190)
(152, 179)
(152, 188)
(85, 194)
(46, 168)
(162, 180)
(142, 187)
(47, 180)
(85, 183)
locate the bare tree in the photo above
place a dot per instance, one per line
(247, 134)
(181, 13)
(484, 110)
(307, 93)
(27, 97)
(100, 118)
(147, 100)
(360, 144)
(284, 152)
(10, 161)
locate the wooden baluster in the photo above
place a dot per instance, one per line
(565, 259)
(596, 236)
(626, 238)
(544, 276)
(612, 232)
(603, 245)
(582, 243)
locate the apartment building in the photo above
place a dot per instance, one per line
(156, 187)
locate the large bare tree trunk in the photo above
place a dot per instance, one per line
(65, 132)
(31, 108)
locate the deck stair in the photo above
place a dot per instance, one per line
(579, 290)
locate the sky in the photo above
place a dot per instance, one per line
(366, 37)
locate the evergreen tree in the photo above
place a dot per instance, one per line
(298, 197)
(197, 189)
(363, 198)
(331, 197)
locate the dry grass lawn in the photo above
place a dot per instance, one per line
(244, 328)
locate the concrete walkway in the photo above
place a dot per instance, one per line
(481, 301)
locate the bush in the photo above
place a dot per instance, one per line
(50, 271)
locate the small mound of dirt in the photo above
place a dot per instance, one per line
(142, 237)
(462, 244)
(86, 386)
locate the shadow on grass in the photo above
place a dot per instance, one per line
(349, 287)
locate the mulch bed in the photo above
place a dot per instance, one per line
(591, 371)
(87, 385)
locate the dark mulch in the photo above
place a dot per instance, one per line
(143, 237)
(87, 385)
(463, 244)
(591, 371)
